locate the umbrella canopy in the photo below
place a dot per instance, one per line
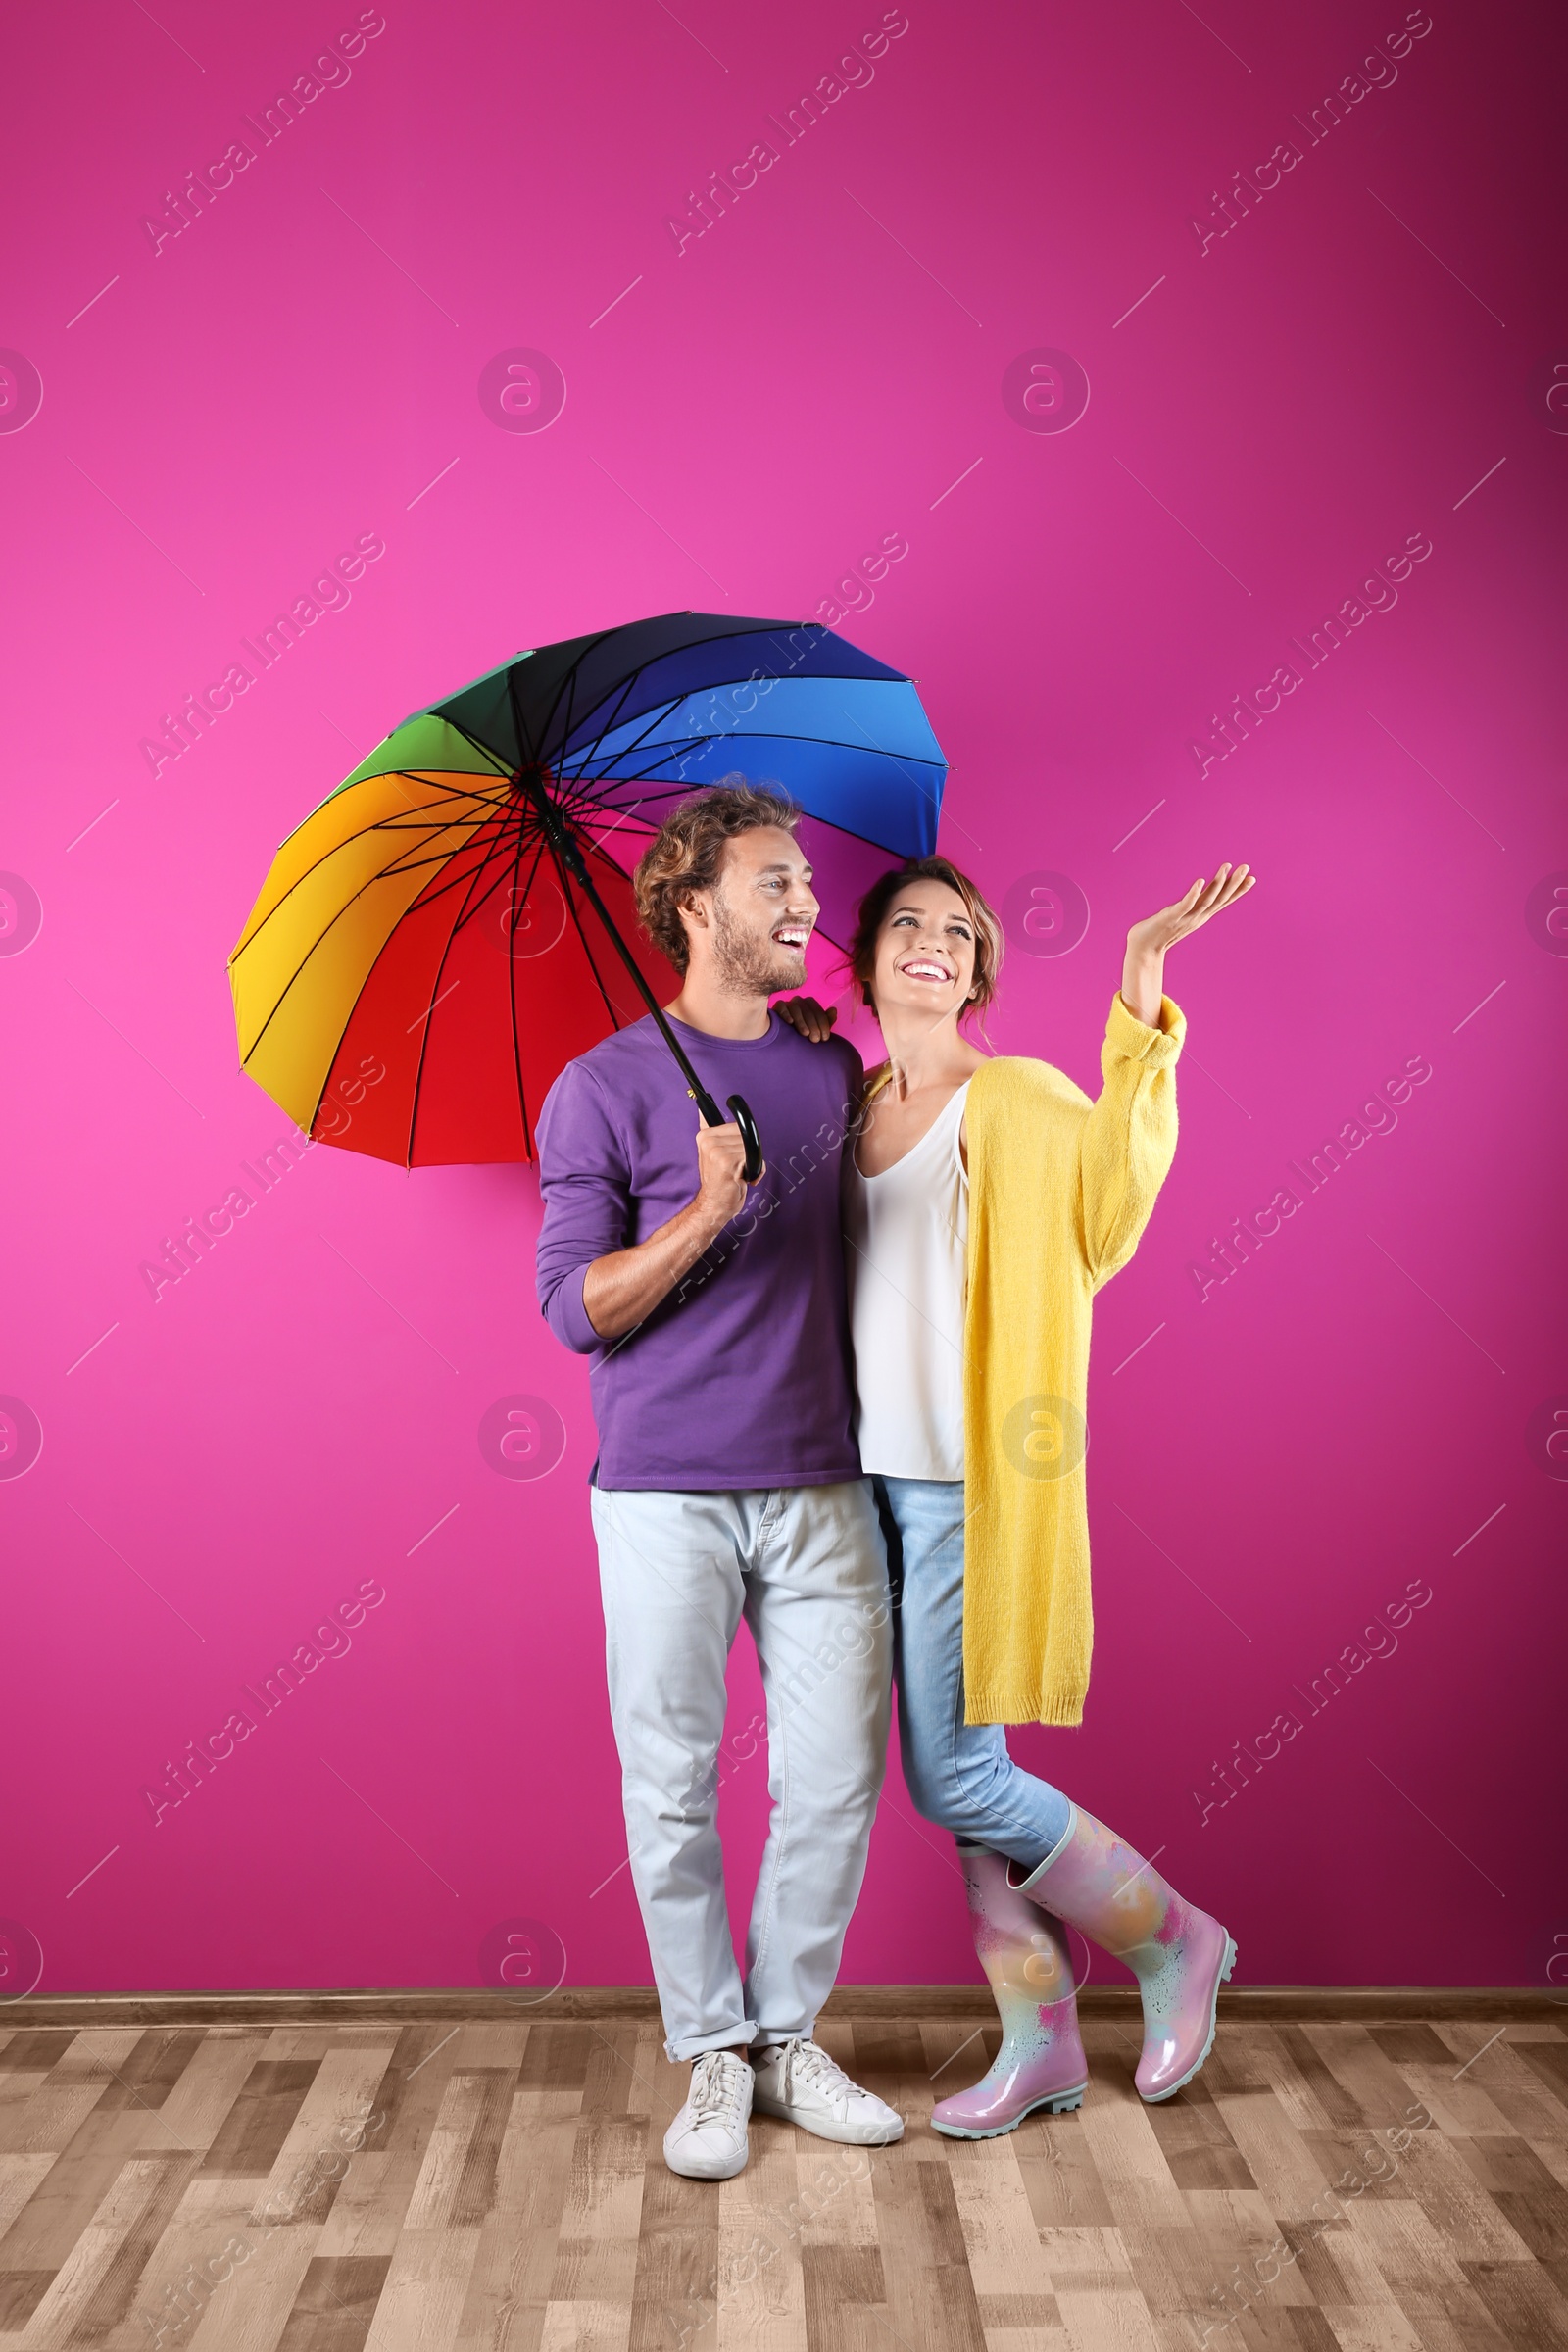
(456, 921)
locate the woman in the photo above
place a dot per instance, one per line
(987, 1201)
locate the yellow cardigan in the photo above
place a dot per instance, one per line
(1059, 1191)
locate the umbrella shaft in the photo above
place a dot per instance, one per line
(570, 858)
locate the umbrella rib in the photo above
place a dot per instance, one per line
(849, 831)
(659, 710)
(478, 741)
(670, 701)
(582, 936)
(472, 912)
(612, 717)
(338, 913)
(391, 824)
(778, 631)
(785, 735)
(568, 681)
(424, 1019)
(512, 992)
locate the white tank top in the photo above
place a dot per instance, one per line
(906, 1233)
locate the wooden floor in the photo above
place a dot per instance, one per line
(1376, 2187)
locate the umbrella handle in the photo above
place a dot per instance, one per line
(740, 1112)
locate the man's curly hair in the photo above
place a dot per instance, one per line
(688, 850)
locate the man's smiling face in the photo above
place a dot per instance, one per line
(762, 911)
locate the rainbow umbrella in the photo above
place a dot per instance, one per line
(456, 921)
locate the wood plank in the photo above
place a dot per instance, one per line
(1127, 2154)
(258, 2121)
(1000, 2234)
(514, 2195)
(53, 2113)
(1287, 2172)
(1196, 2143)
(845, 2294)
(1511, 2084)
(426, 2286)
(316, 2151)
(1524, 2190)
(20, 2178)
(1056, 2166)
(1526, 2305)
(508, 2284)
(755, 2298)
(72, 2292)
(335, 2304)
(195, 2109)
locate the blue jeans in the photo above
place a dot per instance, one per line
(959, 1774)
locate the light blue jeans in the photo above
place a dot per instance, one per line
(959, 1774)
(803, 1566)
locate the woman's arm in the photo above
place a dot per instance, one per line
(1143, 972)
(1129, 1138)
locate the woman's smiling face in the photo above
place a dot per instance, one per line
(926, 951)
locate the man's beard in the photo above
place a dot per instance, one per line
(748, 966)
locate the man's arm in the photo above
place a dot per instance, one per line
(622, 1290)
(592, 1288)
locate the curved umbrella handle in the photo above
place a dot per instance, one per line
(740, 1112)
(741, 1115)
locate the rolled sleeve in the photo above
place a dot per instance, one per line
(1127, 1036)
(566, 1315)
(585, 1184)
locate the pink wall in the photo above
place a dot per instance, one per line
(1365, 358)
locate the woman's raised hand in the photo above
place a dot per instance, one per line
(1205, 899)
(1143, 972)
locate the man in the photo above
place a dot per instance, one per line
(727, 1481)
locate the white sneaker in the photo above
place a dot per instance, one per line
(707, 2142)
(800, 2082)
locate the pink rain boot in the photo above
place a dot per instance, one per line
(1179, 1955)
(1023, 1951)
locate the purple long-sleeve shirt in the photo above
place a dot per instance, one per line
(741, 1376)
